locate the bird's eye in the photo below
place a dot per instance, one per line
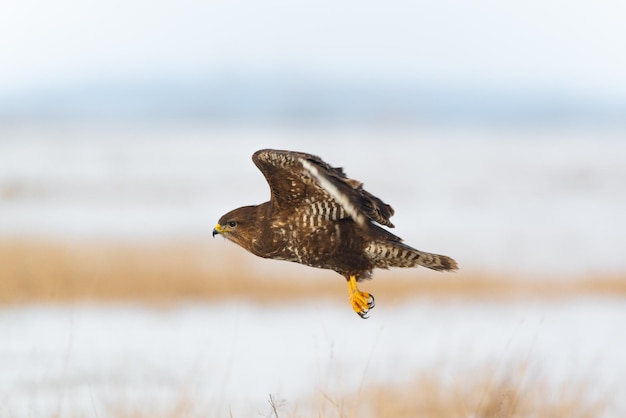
(232, 224)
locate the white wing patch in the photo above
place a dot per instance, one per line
(335, 193)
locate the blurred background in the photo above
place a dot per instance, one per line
(497, 131)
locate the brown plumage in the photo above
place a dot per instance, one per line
(318, 217)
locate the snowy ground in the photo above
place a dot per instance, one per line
(549, 202)
(90, 360)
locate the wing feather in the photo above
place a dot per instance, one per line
(294, 176)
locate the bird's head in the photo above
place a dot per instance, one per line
(237, 226)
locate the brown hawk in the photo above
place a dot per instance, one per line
(319, 217)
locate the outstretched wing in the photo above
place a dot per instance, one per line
(297, 179)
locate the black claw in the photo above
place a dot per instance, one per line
(363, 314)
(372, 302)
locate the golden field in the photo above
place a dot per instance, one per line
(46, 271)
(191, 270)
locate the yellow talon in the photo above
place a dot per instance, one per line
(361, 302)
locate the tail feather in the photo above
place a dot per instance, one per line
(396, 254)
(435, 261)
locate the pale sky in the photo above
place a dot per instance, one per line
(577, 44)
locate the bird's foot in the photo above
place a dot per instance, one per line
(361, 302)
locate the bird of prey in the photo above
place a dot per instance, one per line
(319, 217)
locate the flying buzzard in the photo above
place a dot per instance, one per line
(319, 217)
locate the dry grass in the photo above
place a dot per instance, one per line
(480, 395)
(152, 272)
(160, 273)
(36, 271)
(476, 394)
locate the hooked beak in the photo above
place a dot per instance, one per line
(217, 230)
